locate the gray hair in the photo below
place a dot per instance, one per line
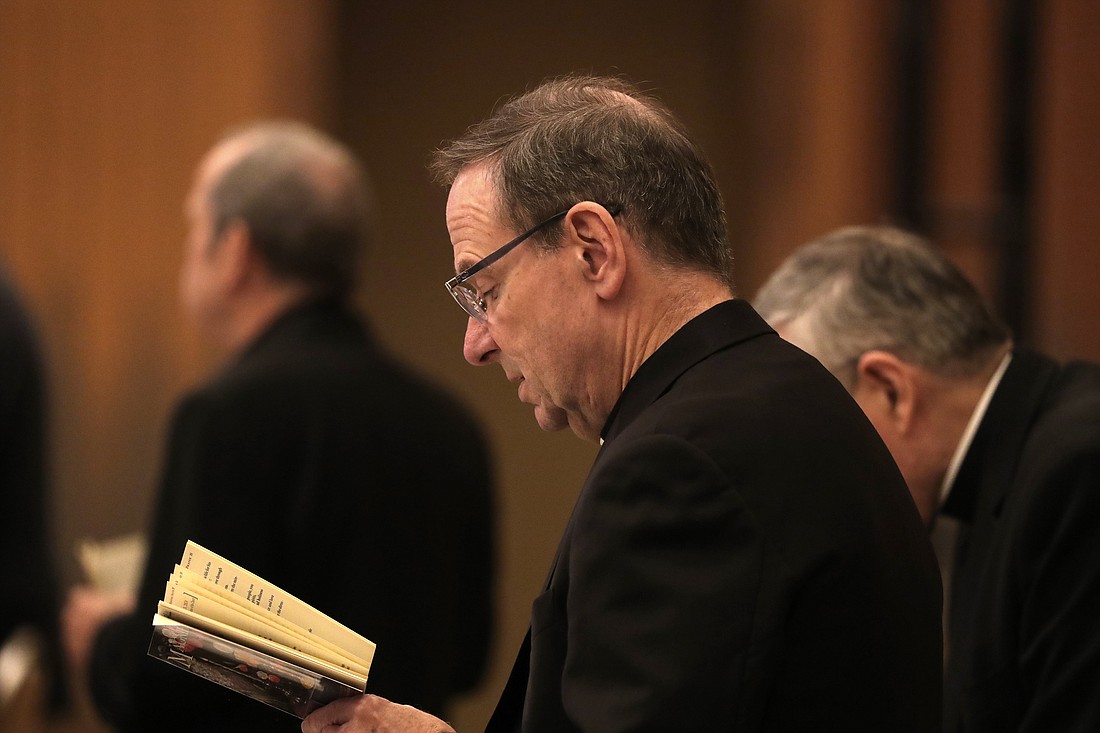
(304, 199)
(586, 138)
(880, 288)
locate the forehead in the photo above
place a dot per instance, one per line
(210, 170)
(472, 204)
(472, 221)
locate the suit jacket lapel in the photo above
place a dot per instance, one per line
(508, 715)
(985, 476)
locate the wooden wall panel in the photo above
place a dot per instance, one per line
(962, 122)
(809, 121)
(1067, 186)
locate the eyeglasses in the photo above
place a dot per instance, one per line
(466, 296)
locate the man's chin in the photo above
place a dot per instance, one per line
(551, 419)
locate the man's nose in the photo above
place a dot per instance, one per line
(478, 346)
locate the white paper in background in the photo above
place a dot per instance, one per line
(114, 565)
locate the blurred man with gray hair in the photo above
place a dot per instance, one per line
(308, 458)
(1003, 439)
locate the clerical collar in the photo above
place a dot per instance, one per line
(972, 428)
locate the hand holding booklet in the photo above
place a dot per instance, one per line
(223, 623)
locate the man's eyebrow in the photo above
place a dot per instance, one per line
(465, 261)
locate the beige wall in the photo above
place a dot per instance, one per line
(106, 105)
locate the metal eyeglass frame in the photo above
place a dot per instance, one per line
(466, 297)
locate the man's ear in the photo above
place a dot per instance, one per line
(889, 386)
(236, 256)
(601, 253)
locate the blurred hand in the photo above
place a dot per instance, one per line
(372, 714)
(85, 612)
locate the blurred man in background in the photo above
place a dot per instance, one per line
(311, 458)
(1002, 439)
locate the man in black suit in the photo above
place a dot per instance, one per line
(743, 555)
(1002, 439)
(313, 458)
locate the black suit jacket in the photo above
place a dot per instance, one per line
(322, 465)
(1024, 651)
(744, 555)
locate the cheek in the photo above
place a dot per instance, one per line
(556, 371)
(534, 329)
(194, 287)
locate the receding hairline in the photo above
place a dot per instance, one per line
(615, 91)
(840, 294)
(325, 164)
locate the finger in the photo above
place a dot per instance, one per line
(310, 725)
(332, 715)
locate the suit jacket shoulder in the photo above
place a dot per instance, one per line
(1025, 651)
(728, 555)
(317, 461)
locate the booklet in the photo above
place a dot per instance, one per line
(223, 623)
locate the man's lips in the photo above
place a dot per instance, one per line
(519, 380)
